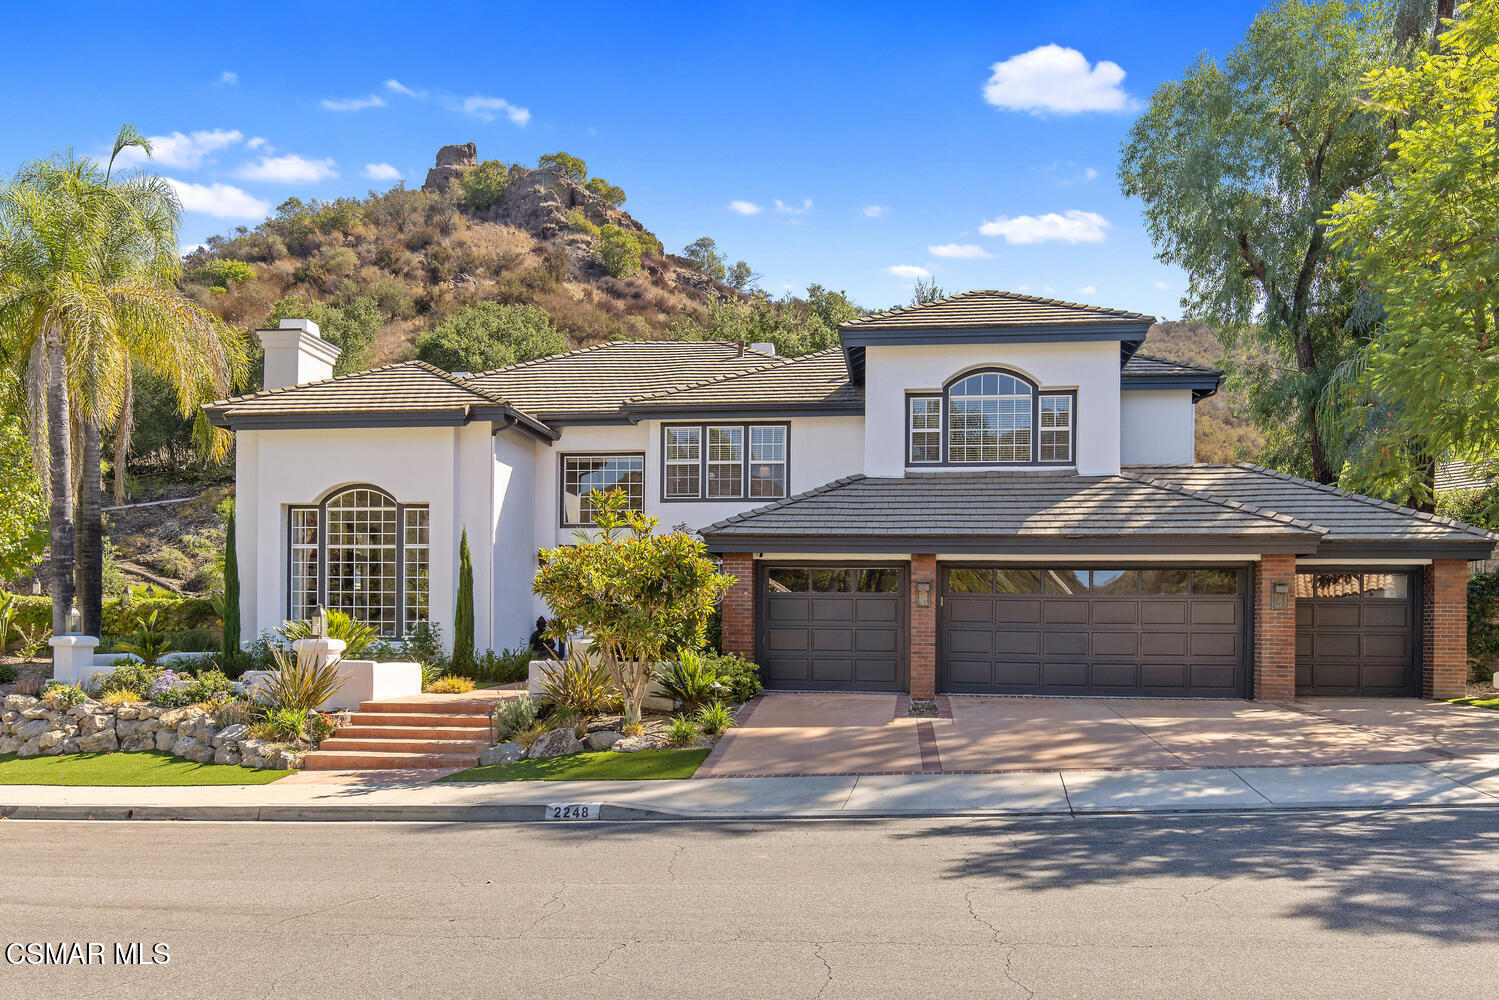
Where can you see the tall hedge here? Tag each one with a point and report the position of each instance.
(463, 615)
(231, 589)
(174, 614)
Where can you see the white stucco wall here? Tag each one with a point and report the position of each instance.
(519, 461)
(449, 469)
(1090, 368)
(1157, 426)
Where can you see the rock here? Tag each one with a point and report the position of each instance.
(165, 738)
(51, 738)
(90, 725)
(151, 711)
(230, 734)
(182, 745)
(206, 732)
(200, 753)
(555, 744)
(101, 741)
(32, 729)
(137, 742)
(18, 702)
(30, 748)
(88, 706)
(175, 718)
(285, 760)
(501, 753)
(8, 717)
(604, 739)
(36, 712)
(634, 744)
(452, 161)
(9, 744)
(130, 712)
(653, 704)
(227, 753)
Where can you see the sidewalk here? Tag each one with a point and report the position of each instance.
(1463, 782)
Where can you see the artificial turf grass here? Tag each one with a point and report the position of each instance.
(603, 765)
(1476, 702)
(143, 769)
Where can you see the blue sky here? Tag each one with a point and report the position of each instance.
(975, 142)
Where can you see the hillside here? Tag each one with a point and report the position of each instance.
(1223, 433)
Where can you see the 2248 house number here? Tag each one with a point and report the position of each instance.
(573, 810)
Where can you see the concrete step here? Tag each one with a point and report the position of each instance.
(416, 732)
(384, 760)
(447, 705)
(420, 745)
(417, 719)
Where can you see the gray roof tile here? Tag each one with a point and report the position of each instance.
(820, 377)
(1146, 366)
(987, 308)
(404, 387)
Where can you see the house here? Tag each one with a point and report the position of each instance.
(990, 493)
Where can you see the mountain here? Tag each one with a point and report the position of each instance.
(1224, 434)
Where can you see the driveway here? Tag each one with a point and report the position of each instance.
(802, 734)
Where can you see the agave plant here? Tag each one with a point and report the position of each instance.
(690, 680)
(581, 685)
(302, 680)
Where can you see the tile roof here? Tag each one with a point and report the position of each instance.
(812, 379)
(596, 380)
(1146, 366)
(990, 308)
(406, 387)
(1011, 506)
(1346, 517)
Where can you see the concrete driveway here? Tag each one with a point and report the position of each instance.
(805, 734)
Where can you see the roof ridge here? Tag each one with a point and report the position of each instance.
(775, 362)
(461, 384)
(1017, 296)
(816, 490)
(600, 347)
(536, 361)
(1371, 501)
(1254, 509)
(263, 393)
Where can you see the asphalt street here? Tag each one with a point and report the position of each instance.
(1383, 904)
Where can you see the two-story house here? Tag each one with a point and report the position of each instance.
(990, 493)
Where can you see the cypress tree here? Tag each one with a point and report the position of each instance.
(463, 617)
(231, 589)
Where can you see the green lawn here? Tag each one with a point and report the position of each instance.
(1476, 702)
(605, 765)
(150, 767)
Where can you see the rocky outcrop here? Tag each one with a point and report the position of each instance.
(452, 161)
(556, 743)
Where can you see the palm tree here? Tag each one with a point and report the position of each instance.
(88, 264)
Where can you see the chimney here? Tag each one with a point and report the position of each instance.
(295, 354)
(764, 347)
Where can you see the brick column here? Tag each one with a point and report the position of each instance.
(739, 605)
(1444, 628)
(923, 654)
(1274, 629)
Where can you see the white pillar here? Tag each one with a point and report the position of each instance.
(72, 658)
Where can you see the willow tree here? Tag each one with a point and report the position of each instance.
(1238, 164)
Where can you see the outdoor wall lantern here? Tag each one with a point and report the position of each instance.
(75, 620)
(923, 593)
(1280, 595)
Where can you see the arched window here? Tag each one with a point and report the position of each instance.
(989, 419)
(362, 553)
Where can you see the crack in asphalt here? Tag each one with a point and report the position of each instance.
(817, 950)
(605, 960)
(1009, 965)
(556, 897)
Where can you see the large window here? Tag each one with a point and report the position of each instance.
(361, 553)
(582, 474)
(990, 418)
(725, 461)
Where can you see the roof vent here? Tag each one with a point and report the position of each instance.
(764, 347)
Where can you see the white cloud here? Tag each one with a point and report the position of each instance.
(1023, 289)
(184, 152)
(745, 207)
(396, 86)
(485, 109)
(221, 200)
(382, 172)
(228, 79)
(784, 209)
(1051, 78)
(1089, 174)
(1162, 285)
(353, 103)
(193, 248)
(957, 250)
(875, 211)
(1072, 226)
(288, 169)
(909, 271)
(257, 142)
(1087, 290)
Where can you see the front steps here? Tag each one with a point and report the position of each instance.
(425, 731)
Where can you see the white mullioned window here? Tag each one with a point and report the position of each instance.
(684, 452)
(767, 462)
(582, 474)
(926, 429)
(1055, 433)
(302, 571)
(725, 462)
(417, 563)
(989, 419)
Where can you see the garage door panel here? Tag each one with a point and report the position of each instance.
(876, 640)
(832, 640)
(832, 610)
(1390, 676)
(832, 670)
(1335, 644)
(876, 671)
(850, 641)
(1355, 633)
(789, 640)
(786, 670)
(1387, 614)
(879, 611)
(1387, 647)
(787, 608)
(1339, 615)
(1174, 644)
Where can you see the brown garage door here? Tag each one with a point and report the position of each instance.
(1155, 631)
(1355, 633)
(833, 628)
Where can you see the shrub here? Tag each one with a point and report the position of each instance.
(122, 615)
(739, 679)
(715, 719)
(690, 680)
(578, 222)
(513, 716)
(356, 636)
(581, 685)
(423, 644)
(483, 185)
(121, 697)
(620, 251)
(505, 667)
(532, 733)
(236, 712)
(393, 298)
(148, 641)
(611, 193)
(302, 680)
(682, 732)
(32, 641)
(463, 614)
(280, 725)
(571, 167)
(340, 262)
(170, 561)
(223, 273)
(1483, 625)
(61, 697)
(650, 246)
(7, 673)
(450, 684)
(7, 617)
(490, 335)
(139, 678)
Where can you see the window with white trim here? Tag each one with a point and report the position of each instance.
(303, 565)
(417, 565)
(1056, 428)
(989, 419)
(682, 447)
(767, 462)
(725, 461)
(926, 429)
(582, 474)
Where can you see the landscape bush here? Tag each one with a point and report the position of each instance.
(174, 614)
(490, 335)
(137, 678)
(581, 685)
(715, 719)
(513, 716)
(579, 223)
(356, 635)
(483, 185)
(690, 680)
(223, 273)
(620, 251)
(682, 732)
(450, 684)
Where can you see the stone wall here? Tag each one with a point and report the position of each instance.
(28, 727)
